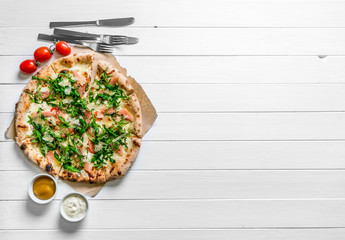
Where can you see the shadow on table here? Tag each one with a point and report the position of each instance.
(35, 208)
(23, 76)
(40, 209)
(69, 227)
(25, 161)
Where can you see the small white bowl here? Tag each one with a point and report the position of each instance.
(31, 192)
(63, 213)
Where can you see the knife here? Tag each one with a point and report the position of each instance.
(115, 22)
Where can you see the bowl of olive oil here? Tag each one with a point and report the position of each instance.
(42, 188)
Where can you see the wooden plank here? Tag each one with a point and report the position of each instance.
(238, 126)
(242, 155)
(220, 184)
(220, 13)
(172, 234)
(200, 41)
(213, 69)
(227, 97)
(249, 126)
(179, 214)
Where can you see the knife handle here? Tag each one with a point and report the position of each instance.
(53, 38)
(66, 24)
(59, 31)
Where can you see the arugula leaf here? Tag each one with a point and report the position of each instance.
(57, 156)
(64, 123)
(80, 129)
(35, 98)
(71, 168)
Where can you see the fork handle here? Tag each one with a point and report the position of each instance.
(65, 24)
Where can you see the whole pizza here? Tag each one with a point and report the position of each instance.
(80, 120)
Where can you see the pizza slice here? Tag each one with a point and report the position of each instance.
(30, 101)
(111, 149)
(114, 117)
(127, 118)
(73, 157)
(112, 96)
(33, 122)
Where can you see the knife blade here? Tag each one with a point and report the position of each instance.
(114, 22)
(106, 38)
(58, 31)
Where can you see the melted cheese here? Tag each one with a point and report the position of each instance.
(65, 82)
(48, 138)
(94, 107)
(81, 67)
(98, 147)
(67, 100)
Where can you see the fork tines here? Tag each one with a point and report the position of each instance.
(105, 48)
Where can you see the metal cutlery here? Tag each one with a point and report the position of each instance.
(96, 46)
(118, 41)
(108, 39)
(115, 22)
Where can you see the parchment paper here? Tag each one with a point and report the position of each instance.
(148, 112)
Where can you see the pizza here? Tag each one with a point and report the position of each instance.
(80, 119)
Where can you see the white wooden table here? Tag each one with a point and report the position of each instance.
(250, 138)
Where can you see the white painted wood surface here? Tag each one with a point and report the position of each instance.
(250, 138)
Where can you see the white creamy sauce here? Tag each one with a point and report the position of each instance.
(74, 206)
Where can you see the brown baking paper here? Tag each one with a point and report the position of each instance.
(148, 112)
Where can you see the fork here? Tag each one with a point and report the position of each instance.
(108, 39)
(96, 46)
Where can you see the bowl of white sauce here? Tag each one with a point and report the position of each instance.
(74, 207)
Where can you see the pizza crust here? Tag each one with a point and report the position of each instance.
(64, 64)
(97, 176)
(72, 176)
(134, 106)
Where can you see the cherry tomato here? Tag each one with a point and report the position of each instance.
(43, 54)
(28, 66)
(63, 48)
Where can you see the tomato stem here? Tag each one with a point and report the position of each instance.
(52, 49)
